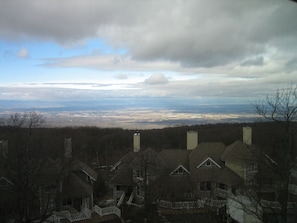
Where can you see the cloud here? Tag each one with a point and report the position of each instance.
(23, 53)
(291, 65)
(156, 79)
(121, 76)
(258, 61)
(192, 33)
(208, 48)
(107, 62)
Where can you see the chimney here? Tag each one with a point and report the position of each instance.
(136, 142)
(192, 140)
(3, 148)
(68, 148)
(247, 135)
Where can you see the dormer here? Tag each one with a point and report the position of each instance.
(208, 162)
(180, 171)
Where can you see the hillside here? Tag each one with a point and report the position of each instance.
(108, 144)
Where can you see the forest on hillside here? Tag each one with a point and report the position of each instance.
(107, 145)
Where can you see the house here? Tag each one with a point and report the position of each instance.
(207, 175)
(65, 189)
(175, 175)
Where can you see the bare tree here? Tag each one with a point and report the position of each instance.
(23, 164)
(280, 108)
(148, 166)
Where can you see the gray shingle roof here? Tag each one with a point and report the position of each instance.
(174, 157)
(239, 152)
(205, 150)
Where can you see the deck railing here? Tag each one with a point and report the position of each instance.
(121, 199)
(83, 215)
(106, 210)
(192, 204)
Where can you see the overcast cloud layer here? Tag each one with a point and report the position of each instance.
(190, 48)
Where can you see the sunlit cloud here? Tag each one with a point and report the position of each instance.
(156, 79)
(23, 53)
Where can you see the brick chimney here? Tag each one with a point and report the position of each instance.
(247, 135)
(136, 142)
(192, 140)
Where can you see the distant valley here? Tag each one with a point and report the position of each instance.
(134, 113)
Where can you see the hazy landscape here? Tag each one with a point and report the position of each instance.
(133, 113)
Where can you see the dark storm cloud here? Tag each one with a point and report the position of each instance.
(191, 33)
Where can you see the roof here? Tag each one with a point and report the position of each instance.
(123, 177)
(123, 174)
(238, 151)
(74, 186)
(191, 160)
(228, 177)
(78, 165)
(125, 160)
(175, 157)
(203, 151)
(149, 157)
(135, 160)
(219, 175)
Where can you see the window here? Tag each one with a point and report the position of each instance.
(252, 167)
(67, 202)
(180, 170)
(233, 190)
(222, 186)
(205, 185)
(209, 162)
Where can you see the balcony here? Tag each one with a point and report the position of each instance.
(222, 193)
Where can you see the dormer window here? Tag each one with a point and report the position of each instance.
(209, 162)
(180, 170)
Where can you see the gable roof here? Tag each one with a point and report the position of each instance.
(238, 152)
(208, 159)
(175, 157)
(149, 158)
(124, 174)
(219, 175)
(228, 177)
(205, 150)
(125, 160)
(135, 160)
(78, 165)
(123, 177)
(175, 172)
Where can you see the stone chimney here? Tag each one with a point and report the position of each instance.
(68, 148)
(136, 142)
(247, 135)
(192, 140)
(3, 148)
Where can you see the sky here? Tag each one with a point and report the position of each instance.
(90, 49)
